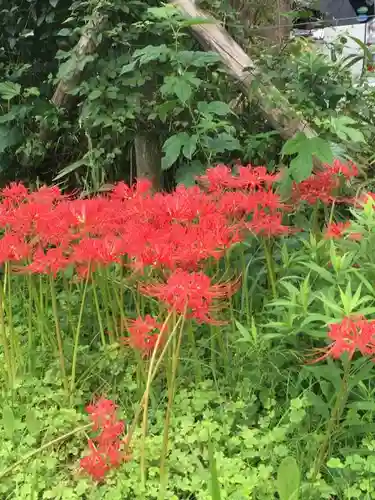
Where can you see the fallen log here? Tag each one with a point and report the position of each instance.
(274, 106)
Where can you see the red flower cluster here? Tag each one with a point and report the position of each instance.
(338, 230)
(350, 335)
(47, 232)
(323, 186)
(143, 334)
(106, 449)
(190, 293)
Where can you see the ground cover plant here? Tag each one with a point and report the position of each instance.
(213, 342)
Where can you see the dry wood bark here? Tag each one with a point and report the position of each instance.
(274, 106)
(148, 156)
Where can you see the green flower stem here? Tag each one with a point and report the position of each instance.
(270, 266)
(60, 348)
(334, 420)
(77, 335)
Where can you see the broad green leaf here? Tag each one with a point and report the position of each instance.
(32, 423)
(186, 174)
(172, 149)
(222, 142)
(64, 32)
(152, 53)
(94, 94)
(127, 68)
(9, 90)
(8, 421)
(183, 90)
(53, 3)
(301, 166)
(9, 137)
(288, 479)
(294, 144)
(190, 146)
(218, 108)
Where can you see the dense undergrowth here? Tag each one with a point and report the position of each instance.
(213, 342)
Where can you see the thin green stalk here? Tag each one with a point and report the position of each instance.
(60, 348)
(171, 393)
(103, 290)
(193, 344)
(4, 342)
(31, 454)
(14, 337)
(150, 377)
(334, 420)
(30, 335)
(112, 304)
(98, 313)
(77, 335)
(245, 288)
(270, 267)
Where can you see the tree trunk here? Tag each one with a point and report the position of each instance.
(148, 156)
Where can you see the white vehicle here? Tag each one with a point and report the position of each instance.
(349, 20)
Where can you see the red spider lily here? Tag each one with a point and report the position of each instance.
(52, 261)
(13, 248)
(95, 464)
(252, 178)
(143, 334)
(14, 194)
(318, 187)
(192, 293)
(348, 170)
(350, 335)
(323, 185)
(266, 224)
(102, 412)
(105, 450)
(336, 230)
(217, 178)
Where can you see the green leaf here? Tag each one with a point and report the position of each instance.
(127, 68)
(172, 149)
(222, 142)
(152, 53)
(294, 144)
(219, 108)
(305, 148)
(94, 94)
(32, 423)
(183, 90)
(53, 3)
(190, 146)
(301, 166)
(215, 485)
(9, 90)
(8, 421)
(186, 174)
(70, 168)
(64, 32)
(288, 479)
(9, 137)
